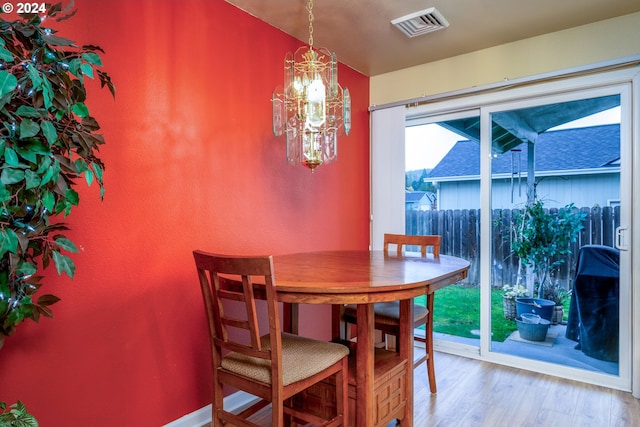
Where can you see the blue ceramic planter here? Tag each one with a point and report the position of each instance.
(542, 307)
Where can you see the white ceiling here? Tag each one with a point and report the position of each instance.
(362, 36)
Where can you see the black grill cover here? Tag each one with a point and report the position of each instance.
(593, 314)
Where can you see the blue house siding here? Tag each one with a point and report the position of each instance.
(574, 165)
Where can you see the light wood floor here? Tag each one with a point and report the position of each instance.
(478, 394)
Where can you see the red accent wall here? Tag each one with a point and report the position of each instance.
(191, 163)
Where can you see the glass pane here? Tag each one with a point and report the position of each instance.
(555, 188)
(436, 205)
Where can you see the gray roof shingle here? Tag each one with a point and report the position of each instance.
(569, 149)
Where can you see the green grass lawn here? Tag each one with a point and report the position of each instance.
(457, 312)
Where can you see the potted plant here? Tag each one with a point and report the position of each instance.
(558, 295)
(541, 241)
(48, 141)
(509, 295)
(16, 415)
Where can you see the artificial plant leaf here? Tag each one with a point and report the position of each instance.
(87, 70)
(49, 131)
(8, 83)
(32, 179)
(98, 171)
(11, 176)
(10, 157)
(81, 165)
(27, 111)
(88, 176)
(28, 128)
(5, 55)
(44, 310)
(72, 196)
(63, 264)
(35, 77)
(29, 152)
(26, 269)
(66, 244)
(80, 109)
(8, 241)
(5, 194)
(92, 58)
(48, 201)
(106, 80)
(56, 41)
(47, 299)
(47, 94)
(74, 66)
(44, 164)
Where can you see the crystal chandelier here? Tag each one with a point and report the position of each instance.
(312, 108)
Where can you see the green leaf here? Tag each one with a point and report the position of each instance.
(8, 83)
(32, 179)
(27, 111)
(28, 152)
(66, 244)
(44, 164)
(80, 110)
(63, 264)
(49, 131)
(74, 66)
(8, 241)
(51, 173)
(47, 94)
(81, 165)
(28, 128)
(92, 58)
(98, 171)
(26, 269)
(11, 176)
(35, 77)
(88, 176)
(10, 157)
(72, 196)
(5, 194)
(87, 70)
(5, 55)
(48, 201)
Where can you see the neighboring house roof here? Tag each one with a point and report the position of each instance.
(561, 150)
(417, 196)
(413, 196)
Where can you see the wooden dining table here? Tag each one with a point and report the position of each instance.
(383, 383)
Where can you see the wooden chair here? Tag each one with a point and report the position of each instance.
(273, 366)
(387, 314)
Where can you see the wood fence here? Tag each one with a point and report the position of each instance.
(460, 231)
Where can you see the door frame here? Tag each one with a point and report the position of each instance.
(541, 89)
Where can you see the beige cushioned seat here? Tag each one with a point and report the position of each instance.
(302, 356)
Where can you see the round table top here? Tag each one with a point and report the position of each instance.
(362, 276)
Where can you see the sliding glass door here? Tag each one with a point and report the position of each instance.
(557, 167)
(506, 171)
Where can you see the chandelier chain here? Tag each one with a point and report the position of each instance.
(310, 9)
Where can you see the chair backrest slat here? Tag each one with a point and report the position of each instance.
(424, 241)
(228, 278)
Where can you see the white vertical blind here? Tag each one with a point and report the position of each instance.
(387, 173)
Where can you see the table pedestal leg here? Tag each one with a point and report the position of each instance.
(365, 366)
(406, 352)
(290, 318)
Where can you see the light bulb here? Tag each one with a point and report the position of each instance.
(316, 103)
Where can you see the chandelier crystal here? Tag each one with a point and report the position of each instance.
(312, 108)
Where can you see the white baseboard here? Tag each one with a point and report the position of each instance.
(202, 416)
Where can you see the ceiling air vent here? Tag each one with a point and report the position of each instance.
(422, 22)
